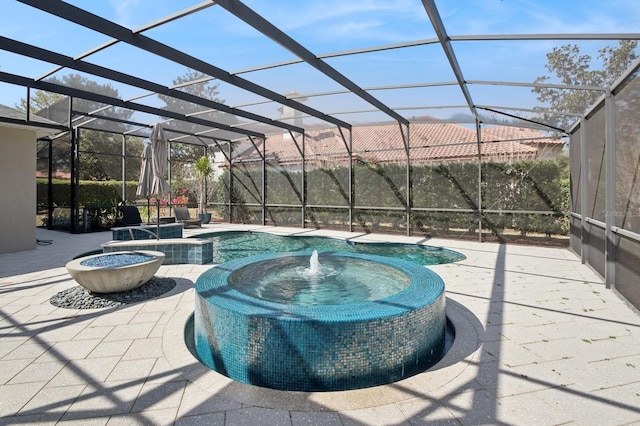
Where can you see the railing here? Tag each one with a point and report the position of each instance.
(144, 230)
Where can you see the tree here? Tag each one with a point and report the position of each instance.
(571, 67)
(184, 155)
(40, 101)
(203, 170)
(100, 157)
(197, 84)
(194, 83)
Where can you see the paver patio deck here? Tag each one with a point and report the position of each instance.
(546, 343)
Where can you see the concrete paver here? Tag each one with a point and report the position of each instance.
(546, 343)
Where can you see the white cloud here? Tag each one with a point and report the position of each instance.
(354, 27)
(127, 12)
(377, 20)
(314, 12)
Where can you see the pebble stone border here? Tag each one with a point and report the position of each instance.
(79, 297)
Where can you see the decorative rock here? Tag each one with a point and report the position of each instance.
(80, 298)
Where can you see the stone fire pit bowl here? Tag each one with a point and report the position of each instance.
(117, 271)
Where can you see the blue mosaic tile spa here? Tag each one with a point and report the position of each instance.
(274, 333)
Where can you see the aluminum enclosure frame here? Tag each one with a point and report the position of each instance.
(138, 39)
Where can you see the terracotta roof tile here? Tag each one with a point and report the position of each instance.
(523, 135)
(383, 143)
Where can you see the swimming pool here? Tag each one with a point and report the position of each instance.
(232, 245)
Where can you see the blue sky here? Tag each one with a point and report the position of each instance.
(326, 26)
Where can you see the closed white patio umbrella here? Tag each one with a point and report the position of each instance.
(159, 185)
(146, 174)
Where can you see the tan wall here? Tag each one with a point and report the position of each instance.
(17, 189)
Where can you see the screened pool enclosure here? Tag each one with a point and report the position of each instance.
(392, 117)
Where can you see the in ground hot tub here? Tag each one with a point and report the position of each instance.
(348, 321)
(114, 272)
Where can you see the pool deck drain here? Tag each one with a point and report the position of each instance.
(555, 347)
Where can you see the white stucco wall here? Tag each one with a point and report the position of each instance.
(17, 189)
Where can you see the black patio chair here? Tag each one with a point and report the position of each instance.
(130, 216)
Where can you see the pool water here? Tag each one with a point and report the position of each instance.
(289, 280)
(231, 245)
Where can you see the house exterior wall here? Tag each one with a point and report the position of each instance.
(17, 189)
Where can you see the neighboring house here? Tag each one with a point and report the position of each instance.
(383, 143)
(547, 148)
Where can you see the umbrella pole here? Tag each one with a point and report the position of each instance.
(158, 222)
(148, 210)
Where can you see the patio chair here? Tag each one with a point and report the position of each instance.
(183, 216)
(130, 216)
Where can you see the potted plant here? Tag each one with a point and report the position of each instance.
(203, 170)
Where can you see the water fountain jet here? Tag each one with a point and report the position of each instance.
(314, 263)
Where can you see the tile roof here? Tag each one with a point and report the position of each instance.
(522, 135)
(383, 143)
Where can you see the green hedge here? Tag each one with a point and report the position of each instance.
(91, 193)
(518, 186)
(99, 200)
